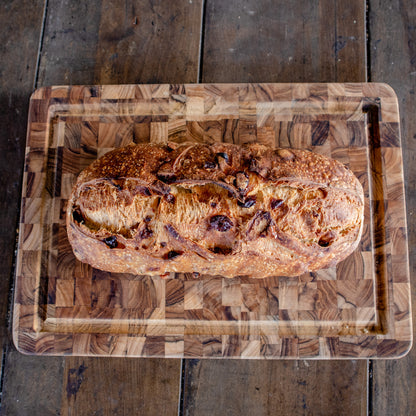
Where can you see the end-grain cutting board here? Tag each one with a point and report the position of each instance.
(361, 308)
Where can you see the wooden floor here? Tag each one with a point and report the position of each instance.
(53, 42)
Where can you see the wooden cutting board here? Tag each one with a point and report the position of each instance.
(359, 309)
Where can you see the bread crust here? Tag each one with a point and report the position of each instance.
(218, 209)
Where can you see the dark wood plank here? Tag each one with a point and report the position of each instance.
(69, 43)
(280, 41)
(120, 386)
(263, 41)
(84, 43)
(149, 42)
(134, 42)
(392, 49)
(21, 23)
(121, 42)
(273, 387)
(32, 385)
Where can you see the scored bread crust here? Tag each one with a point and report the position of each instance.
(218, 209)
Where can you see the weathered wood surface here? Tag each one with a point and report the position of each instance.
(120, 42)
(31, 386)
(75, 49)
(280, 41)
(281, 51)
(120, 387)
(274, 387)
(392, 50)
(391, 31)
(21, 22)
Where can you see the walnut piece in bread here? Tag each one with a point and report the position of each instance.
(218, 209)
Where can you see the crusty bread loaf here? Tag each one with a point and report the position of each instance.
(217, 209)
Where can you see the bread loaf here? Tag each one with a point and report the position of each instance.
(217, 209)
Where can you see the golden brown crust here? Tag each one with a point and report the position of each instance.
(214, 209)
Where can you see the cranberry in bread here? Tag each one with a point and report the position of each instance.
(217, 209)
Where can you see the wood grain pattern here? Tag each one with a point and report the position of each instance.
(258, 388)
(21, 22)
(135, 396)
(74, 48)
(363, 303)
(284, 60)
(120, 42)
(391, 32)
(393, 60)
(32, 385)
(302, 41)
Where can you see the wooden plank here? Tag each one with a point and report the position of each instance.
(120, 42)
(32, 385)
(120, 387)
(392, 50)
(102, 42)
(69, 43)
(274, 387)
(149, 42)
(137, 42)
(280, 41)
(21, 22)
(285, 42)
